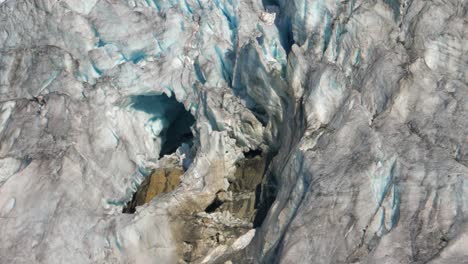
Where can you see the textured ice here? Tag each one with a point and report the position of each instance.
(359, 106)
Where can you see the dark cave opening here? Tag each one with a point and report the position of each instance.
(283, 23)
(176, 130)
(177, 133)
(252, 153)
(177, 121)
(214, 206)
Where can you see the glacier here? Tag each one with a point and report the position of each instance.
(306, 131)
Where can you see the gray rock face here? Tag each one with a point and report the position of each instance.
(358, 108)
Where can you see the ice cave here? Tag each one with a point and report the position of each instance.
(169, 120)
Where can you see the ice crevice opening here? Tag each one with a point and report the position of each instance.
(171, 124)
(170, 121)
(282, 22)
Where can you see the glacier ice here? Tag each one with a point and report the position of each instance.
(358, 108)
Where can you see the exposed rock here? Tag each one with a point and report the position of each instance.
(206, 235)
(161, 180)
(244, 189)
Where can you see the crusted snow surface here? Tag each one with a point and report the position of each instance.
(360, 107)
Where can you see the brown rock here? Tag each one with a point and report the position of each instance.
(162, 180)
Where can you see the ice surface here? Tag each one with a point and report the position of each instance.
(359, 107)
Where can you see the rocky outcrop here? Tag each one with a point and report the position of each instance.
(161, 180)
(241, 198)
(226, 222)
